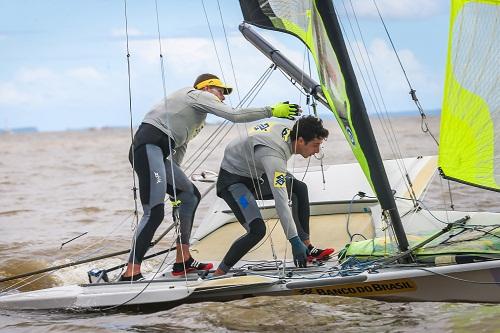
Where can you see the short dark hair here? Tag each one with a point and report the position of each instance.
(308, 128)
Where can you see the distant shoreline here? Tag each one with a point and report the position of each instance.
(324, 115)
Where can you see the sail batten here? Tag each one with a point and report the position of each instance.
(469, 149)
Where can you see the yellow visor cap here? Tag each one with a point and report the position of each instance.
(215, 83)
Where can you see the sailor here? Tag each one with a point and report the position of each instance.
(157, 152)
(255, 168)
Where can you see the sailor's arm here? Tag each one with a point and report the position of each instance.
(275, 168)
(207, 102)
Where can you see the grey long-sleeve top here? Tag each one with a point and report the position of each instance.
(266, 150)
(182, 116)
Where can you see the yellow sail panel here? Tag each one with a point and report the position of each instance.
(469, 149)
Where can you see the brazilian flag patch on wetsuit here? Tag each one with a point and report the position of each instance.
(279, 179)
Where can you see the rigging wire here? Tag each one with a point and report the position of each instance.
(214, 44)
(247, 99)
(175, 202)
(392, 137)
(134, 188)
(206, 143)
(218, 131)
(385, 214)
(425, 127)
(229, 51)
(375, 95)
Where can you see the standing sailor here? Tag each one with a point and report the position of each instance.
(167, 129)
(255, 168)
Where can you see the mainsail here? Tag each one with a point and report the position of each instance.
(315, 23)
(302, 19)
(469, 150)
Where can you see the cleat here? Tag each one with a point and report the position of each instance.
(190, 266)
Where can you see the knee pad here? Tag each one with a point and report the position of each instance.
(257, 229)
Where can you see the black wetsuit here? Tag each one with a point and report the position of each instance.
(154, 171)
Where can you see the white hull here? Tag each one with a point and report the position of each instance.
(473, 282)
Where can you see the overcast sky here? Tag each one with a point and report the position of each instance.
(63, 63)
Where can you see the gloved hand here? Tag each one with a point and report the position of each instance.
(299, 251)
(285, 110)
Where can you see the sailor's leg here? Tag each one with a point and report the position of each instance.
(189, 197)
(243, 204)
(300, 207)
(300, 202)
(150, 170)
(183, 190)
(301, 214)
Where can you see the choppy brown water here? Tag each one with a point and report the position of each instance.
(56, 186)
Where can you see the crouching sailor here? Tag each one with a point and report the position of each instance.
(255, 168)
(157, 151)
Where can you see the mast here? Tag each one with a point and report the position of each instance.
(359, 115)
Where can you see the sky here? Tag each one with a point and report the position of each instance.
(64, 63)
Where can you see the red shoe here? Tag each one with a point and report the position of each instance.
(319, 254)
(190, 266)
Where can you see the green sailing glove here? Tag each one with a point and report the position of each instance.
(285, 110)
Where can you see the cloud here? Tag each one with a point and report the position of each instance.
(187, 57)
(178, 51)
(132, 32)
(35, 75)
(27, 87)
(11, 95)
(391, 79)
(43, 87)
(85, 74)
(399, 9)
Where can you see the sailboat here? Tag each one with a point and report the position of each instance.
(410, 253)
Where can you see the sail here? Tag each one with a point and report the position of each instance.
(315, 23)
(469, 150)
(302, 19)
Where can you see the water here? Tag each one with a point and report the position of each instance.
(57, 186)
